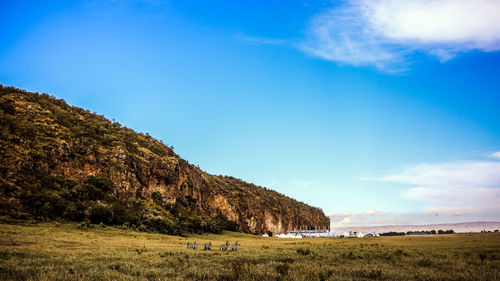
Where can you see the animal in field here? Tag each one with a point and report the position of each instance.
(223, 247)
(208, 246)
(234, 247)
(189, 245)
(195, 246)
(237, 243)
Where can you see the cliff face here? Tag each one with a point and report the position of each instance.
(41, 133)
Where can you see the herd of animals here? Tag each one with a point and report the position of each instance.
(208, 246)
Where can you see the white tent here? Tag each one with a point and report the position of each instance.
(265, 235)
(360, 235)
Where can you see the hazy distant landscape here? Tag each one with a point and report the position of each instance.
(463, 227)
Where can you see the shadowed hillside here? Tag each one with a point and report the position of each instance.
(64, 162)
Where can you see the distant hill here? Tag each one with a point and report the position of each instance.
(63, 162)
(457, 227)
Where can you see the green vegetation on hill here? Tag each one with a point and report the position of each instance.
(63, 162)
(31, 152)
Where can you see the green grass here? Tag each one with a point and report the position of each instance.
(51, 251)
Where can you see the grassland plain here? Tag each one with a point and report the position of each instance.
(61, 251)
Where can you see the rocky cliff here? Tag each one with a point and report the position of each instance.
(53, 155)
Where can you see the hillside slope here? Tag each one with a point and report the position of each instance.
(60, 161)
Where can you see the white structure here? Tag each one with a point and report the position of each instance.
(289, 235)
(355, 234)
(311, 233)
(265, 235)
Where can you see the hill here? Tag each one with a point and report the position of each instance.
(63, 162)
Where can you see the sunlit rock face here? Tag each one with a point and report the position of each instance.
(207, 194)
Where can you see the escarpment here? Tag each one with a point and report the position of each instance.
(60, 161)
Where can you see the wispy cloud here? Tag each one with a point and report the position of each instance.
(369, 217)
(302, 183)
(371, 212)
(255, 40)
(382, 33)
(339, 214)
(454, 188)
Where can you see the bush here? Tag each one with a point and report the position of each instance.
(424, 262)
(160, 224)
(304, 252)
(282, 269)
(157, 198)
(20, 215)
(99, 212)
(239, 269)
(96, 188)
(74, 212)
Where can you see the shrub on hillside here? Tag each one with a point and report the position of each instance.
(99, 212)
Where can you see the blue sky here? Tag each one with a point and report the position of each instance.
(376, 117)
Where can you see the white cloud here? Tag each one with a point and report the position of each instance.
(452, 188)
(344, 222)
(302, 183)
(449, 192)
(459, 174)
(339, 214)
(456, 200)
(369, 217)
(383, 32)
(496, 155)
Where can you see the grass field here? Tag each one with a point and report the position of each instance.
(51, 251)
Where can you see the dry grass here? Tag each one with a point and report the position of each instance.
(52, 251)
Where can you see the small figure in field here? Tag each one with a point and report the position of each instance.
(195, 246)
(227, 244)
(208, 246)
(234, 247)
(223, 247)
(189, 246)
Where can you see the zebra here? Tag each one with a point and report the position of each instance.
(223, 247)
(189, 246)
(208, 246)
(234, 247)
(195, 246)
(237, 243)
